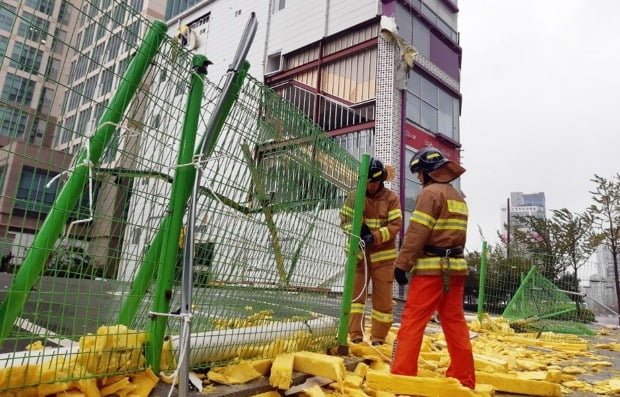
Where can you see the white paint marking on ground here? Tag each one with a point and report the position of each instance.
(48, 335)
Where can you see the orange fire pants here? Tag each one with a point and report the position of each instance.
(424, 298)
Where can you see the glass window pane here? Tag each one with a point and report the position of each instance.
(412, 190)
(414, 83)
(421, 38)
(413, 108)
(429, 117)
(445, 122)
(429, 92)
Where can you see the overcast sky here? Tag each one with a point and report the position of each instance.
(540, 81)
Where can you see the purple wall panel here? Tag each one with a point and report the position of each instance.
(444, 57)
(388, 8)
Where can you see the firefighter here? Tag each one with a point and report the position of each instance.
(432, 253)
(381, 223)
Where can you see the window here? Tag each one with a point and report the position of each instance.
(33, 28)
(12, 122)
(431, 107)
(82, 125)
(107, 78)
(64, 12)
(89, 33)
(58, 42)
(137, 5)
(4, 43)
(18, 89)
(278, 5)
(7, 17)
(135, 236)
(412, 186)
(26, 58)
(45, 100)
(32, 193)
(45, 6)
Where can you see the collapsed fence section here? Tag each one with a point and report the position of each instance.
(539, 295)
(268, 249)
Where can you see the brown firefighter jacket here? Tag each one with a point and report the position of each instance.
(439, 220)
(383, 216)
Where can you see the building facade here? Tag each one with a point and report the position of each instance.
(380, 76)
(33, 35)
(522, 205)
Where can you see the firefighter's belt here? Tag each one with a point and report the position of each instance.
(444, 252)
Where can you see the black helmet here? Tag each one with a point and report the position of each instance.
(376, 171)
(427, 160)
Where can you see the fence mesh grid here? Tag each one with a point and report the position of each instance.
(537, 294)
(269, 258)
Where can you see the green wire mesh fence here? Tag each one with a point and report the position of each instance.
(537, 294)
(269, 258)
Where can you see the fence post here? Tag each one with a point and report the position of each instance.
(482, 281)
(181, 185)
(354, 239)
(46, 237)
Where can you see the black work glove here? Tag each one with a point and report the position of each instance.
(368, 240)
(366, 235)
(365, 230)
(400, 276)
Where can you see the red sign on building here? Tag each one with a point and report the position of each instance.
(418, 139)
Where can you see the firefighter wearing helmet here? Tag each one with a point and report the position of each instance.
(381, 224)
(432, 253)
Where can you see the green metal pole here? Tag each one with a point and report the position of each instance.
(349, 276)
(181, 187)
(46, 237)
(483, 280)
(148, 267)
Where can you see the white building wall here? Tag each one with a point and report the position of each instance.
(303, 22)
(218, 39)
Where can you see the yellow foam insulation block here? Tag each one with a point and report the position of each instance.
(262, 366)
(487, 363)
(567, 347)
(314, 391)
(416, 385)
(352, 380)
(361, 369)
(573, 370)
(354, 392)
(530, 365)
(236, 374)
(331, 367)
(35, 346)
(379, 366)
(282, 371)
(512, 384)
(595, 364)
(614, 385)
(116, 387)
(484, 390)
(383, 352)
(144, 382)
(609, 346)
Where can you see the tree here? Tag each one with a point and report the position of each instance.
(606, 215)
(575, 238)
(538, 237)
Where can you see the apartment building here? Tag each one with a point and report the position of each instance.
(380, 76)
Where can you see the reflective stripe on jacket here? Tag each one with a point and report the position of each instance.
(439, 220)
(383, 216)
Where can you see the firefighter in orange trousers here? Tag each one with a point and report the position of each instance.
(432, 252)
(382, 222)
